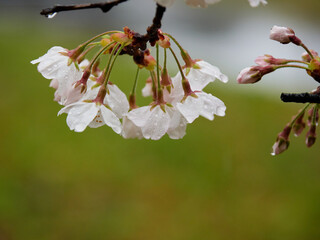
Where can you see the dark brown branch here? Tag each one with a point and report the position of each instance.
(300, 97)
(105, 7)
(139, 44)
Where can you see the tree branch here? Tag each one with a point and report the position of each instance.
(105, 7)
(300, 97)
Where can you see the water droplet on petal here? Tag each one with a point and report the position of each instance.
(51, 15)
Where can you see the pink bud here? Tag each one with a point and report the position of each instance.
(311, 136)
(283, 35)
(254, 74)
(306, 57)
(314, 69)
(282, 142)
(269, 60)
(299, 126)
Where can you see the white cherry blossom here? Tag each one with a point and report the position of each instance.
(203, 104)
(200, 77)
(205, 3)
(83, 114)
(130, 130)
(153, 121)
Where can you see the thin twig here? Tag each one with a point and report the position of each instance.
(300, 97)
(105, 7)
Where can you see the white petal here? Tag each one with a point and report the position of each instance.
(80, 116)
(117, 101)
(147, 90)
(178, 125)
(98, 121)
(129, 130)
(139, 116)
(200, 78)
(190, 108)
(157, 124)
(255, 3)
(111, 119)
(211, 105)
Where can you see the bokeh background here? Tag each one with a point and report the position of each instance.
(219, 182)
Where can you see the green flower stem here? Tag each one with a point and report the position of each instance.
(314, 115)
(99, 53)
(113, 61)
(165, 58)
(83, 45)
(296, 61)
(177, 61)
(299, 114)
(307, 50)
(135, 82)
(105, 71)
(175, 41)
(154, 89)
(290, 65)
(158, 70)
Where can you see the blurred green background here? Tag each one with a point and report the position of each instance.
(219, 182)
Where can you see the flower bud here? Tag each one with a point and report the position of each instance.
(299, 126)
(282, 141)
(284, 35)
(254, 74)
(314, 69)
(105, 41)
(120, 38)
(311, 136)
(149, 61)
(306, 57)
(269, 60)
(165, 42)
(310, 116)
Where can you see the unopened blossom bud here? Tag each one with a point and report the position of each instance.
(254, 74)
(314, 69)
(284, 35)
(299, 125)
(311, 115)
(269, 60)
(120, 38)
(165, 42)
(306, 57)
(149, 62)
(311, 136)
(105, 41)
(282, 141)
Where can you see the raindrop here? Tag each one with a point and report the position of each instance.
(51, 15)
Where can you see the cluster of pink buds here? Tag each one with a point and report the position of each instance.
(310, 62)
(87, 89)
(297, 125)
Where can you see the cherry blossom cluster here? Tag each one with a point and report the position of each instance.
(204, 3)
(87, 90)
(309, 62)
